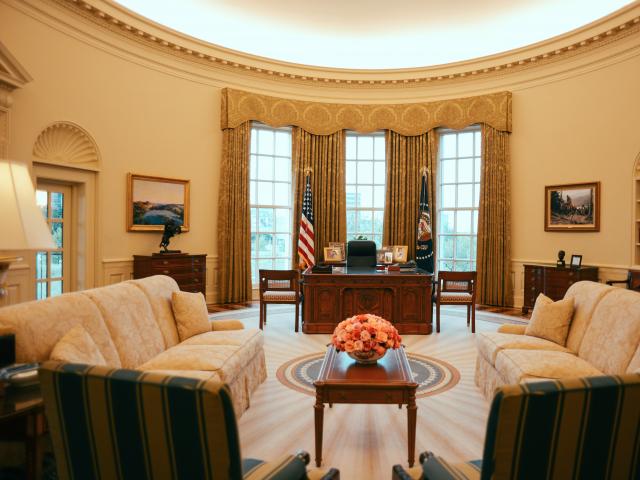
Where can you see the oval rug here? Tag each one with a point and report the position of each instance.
(432, 375)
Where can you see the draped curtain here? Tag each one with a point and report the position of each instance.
(324, 157)
(407, 156)
(494, 221)
(234, 229)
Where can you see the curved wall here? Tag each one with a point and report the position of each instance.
(151, 112)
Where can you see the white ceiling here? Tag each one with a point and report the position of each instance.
(379, 34)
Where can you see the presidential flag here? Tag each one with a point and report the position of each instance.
(306, 245)
(424, 245)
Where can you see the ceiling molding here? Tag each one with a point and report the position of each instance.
(142, 31)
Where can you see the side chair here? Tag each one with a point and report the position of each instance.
(457, 288)
(279, 286)
(575, 428)
(632, 281)
(114, 423)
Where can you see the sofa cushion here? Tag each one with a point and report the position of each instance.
(613, 335)
(516, 366)
(40, 324)
(490, 343)
(77, 346)
(197, 374)
(251, 339)
(130, 321)
(190, 310)
(586, 296)
(158, 290)
(550, 320)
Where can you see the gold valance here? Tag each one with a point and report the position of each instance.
(405, 118)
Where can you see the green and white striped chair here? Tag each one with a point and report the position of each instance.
(119, 424)
(580, 428)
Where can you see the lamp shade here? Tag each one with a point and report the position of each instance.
(21, 222)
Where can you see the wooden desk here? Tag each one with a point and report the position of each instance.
(342, 380)
(552, 281)
(403, 298)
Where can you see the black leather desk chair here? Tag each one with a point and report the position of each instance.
(361, 253)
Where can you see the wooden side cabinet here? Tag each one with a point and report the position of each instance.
(189, 271)
(552, 281)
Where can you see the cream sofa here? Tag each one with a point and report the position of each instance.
(603, 339)
(133, 326)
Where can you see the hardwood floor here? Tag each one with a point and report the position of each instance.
(364, 441)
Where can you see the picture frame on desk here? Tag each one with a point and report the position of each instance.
(576, 261)
(333, 255)
(400, 253)
(573, 207)
(153, 201)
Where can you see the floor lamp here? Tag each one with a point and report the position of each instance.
(22, 226)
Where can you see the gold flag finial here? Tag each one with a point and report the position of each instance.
(308, 171)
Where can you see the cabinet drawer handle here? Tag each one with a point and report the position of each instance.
(165, 262)
(196, 280)
(196, 261)
(196, 270)
(166, 272)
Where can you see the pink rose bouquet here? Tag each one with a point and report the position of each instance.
(366, 333)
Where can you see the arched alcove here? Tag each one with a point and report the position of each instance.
(67, 144)
(635, 208)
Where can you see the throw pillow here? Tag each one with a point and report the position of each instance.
(192, 316)
(550, 320)
(77, 346)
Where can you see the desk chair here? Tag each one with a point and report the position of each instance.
(113, 423)
(279, 286)
(361, 253)
(572, 428)
(457, 288)
(632, 282)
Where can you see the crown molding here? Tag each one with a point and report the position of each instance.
(12, 74)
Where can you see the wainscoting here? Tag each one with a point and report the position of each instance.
(20, 284)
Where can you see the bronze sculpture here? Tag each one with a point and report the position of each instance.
(171, 229)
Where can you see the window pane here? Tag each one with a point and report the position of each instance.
(42, 202)
(378, 197)
(474, 242)
(41, 290)
(365, 172)
(254, 216)
(283, 245)
(265, 264)
(448, 146)
(56, 264)
(478, 144)
(475, 222)
(462, 267)
(265, 220)
(252, 192)
(283, 144)
(265, 193)
(351, 222)
(477, 164)
(446, 222)
(265, 245)
(465, 144)
(378, 220)
(448, 171)
(56, 230)
(254, 272)
(265, 168)
(378, 240)
(463, 249)
(476, 195)
(379, 172)
(365, 147)
(379, 148)
(465, 196)
(446, 265)
(351, 147)
(365, 221)
(253, 245)
(254, 142)
(446, 246)
(57, 204)
(265, 142)
(463, 221)
(282, 169)
(41, 265)
(56, 288)
(448, 196)
(282, 220)
(351, 196)
(253, 166)
(281, 264)
(365, 197)
(351, 172)
(465, 170)
(281, 194)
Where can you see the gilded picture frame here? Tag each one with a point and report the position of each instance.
(152, 201)
(573, 207)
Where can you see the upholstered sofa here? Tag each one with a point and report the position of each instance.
(603, 339)
(133, 326)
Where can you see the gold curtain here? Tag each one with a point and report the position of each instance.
(494, 222)
(325, 156)
(406, 158)
(234, 229)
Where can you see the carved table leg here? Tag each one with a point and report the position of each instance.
(412, 410)
(319, 416)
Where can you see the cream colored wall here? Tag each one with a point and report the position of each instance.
(159, 115)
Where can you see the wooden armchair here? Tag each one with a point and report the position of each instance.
(114, 423)
(632, 282)
(279, 286)
(457, 288)
(572, 428)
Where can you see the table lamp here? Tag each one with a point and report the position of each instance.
(22, 226)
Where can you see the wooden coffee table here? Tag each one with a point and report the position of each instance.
(390, 381)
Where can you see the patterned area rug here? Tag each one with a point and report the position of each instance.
(433, 376)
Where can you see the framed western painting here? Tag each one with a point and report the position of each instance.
(154, 201)
(572, 208)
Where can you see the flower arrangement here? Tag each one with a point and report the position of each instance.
(366, 337)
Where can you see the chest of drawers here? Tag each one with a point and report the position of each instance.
(552, 281)
(189, 271)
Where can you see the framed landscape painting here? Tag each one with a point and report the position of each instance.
(154, 201)
(572, 208)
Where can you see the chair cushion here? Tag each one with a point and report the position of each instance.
(279, 296)
(550, 320)
(192, 316)
(491, 343)
(455, 297)
(516, 366)
(288, 467)
(77, 346)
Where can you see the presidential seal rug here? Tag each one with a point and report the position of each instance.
(432, 375)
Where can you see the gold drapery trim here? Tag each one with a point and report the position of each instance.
(326, 118)
(407, 157)
(234, 227)
(494, 222)
(324, 157)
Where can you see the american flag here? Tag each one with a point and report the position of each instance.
(306, 248)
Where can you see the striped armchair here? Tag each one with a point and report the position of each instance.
(574, 428)
(113, 423)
